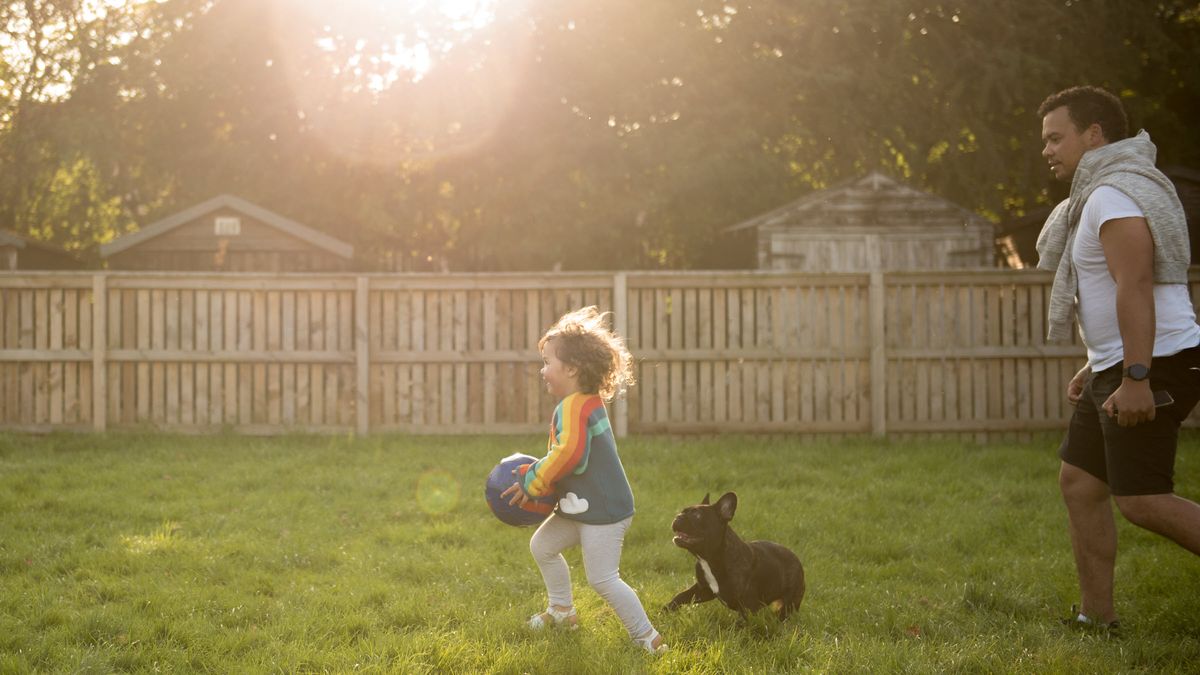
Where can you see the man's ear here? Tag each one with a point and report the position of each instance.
(1095, 135)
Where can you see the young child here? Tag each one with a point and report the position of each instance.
(585, 365)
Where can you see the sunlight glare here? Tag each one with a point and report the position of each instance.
(395, 81)
(469, 14)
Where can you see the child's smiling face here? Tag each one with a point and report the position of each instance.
(561, 380)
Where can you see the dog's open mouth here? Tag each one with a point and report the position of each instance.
(684, 539)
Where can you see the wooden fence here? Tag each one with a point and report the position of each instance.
(952, 352)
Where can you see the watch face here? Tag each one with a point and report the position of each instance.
(1137, 372)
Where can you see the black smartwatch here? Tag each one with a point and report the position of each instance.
(1137, 372)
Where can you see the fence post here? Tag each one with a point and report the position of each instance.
(621, 325)
(99, 352)
(878, 356)
(362, 358)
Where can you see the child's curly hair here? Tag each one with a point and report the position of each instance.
(583, 342)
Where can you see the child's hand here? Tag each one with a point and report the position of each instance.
(518, 495)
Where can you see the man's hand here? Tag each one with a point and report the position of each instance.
(1132, 403)
(1075, 386)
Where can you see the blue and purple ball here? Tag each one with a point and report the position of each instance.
(500, 479)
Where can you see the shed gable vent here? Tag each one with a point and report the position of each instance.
(227, 226)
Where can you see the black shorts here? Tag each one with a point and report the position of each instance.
(1137, 460)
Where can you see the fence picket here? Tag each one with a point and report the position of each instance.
(274, 374)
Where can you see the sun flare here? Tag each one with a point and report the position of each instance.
(384, 42)
(388, 82)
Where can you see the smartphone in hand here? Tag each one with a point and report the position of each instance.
(1162, 398)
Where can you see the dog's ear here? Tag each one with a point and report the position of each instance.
(726, 505)
(705, 500)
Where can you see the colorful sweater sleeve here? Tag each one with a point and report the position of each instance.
(568, 447)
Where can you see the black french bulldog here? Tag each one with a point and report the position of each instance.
(744, 576)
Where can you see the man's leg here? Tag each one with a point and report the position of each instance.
(1093, 539)
(1170, 515)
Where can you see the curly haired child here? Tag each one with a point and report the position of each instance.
(585, 364)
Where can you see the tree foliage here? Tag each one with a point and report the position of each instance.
(537, 134)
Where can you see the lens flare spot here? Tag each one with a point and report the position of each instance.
(437, 492)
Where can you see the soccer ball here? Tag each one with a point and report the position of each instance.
(500, 479)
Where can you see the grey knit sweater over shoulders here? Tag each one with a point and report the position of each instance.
(1127, 166)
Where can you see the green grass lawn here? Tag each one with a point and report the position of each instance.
(312, 554)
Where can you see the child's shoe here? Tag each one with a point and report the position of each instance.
(554, 617)
(647, 643)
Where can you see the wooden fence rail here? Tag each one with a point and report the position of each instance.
(960, 352)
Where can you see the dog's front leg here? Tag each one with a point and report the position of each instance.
(696, 593)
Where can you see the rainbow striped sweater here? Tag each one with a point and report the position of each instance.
(581, 465)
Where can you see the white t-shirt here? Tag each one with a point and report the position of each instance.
(1096, 302)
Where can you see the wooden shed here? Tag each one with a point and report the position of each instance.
(228, 234)
(21, 253)
(871, 223)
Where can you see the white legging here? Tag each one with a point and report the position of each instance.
(601, 545)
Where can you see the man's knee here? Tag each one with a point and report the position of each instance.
(1141, 510)
(1079, 485)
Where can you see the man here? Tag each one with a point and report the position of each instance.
(1119, 249)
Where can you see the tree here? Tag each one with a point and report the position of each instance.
(572, 133)
(61, 90)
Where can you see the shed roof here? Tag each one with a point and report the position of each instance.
(875, 186)
(286, 225)
(9, 238)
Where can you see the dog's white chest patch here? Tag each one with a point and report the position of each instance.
(708, 575)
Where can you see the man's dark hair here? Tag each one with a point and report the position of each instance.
(1089, 105)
